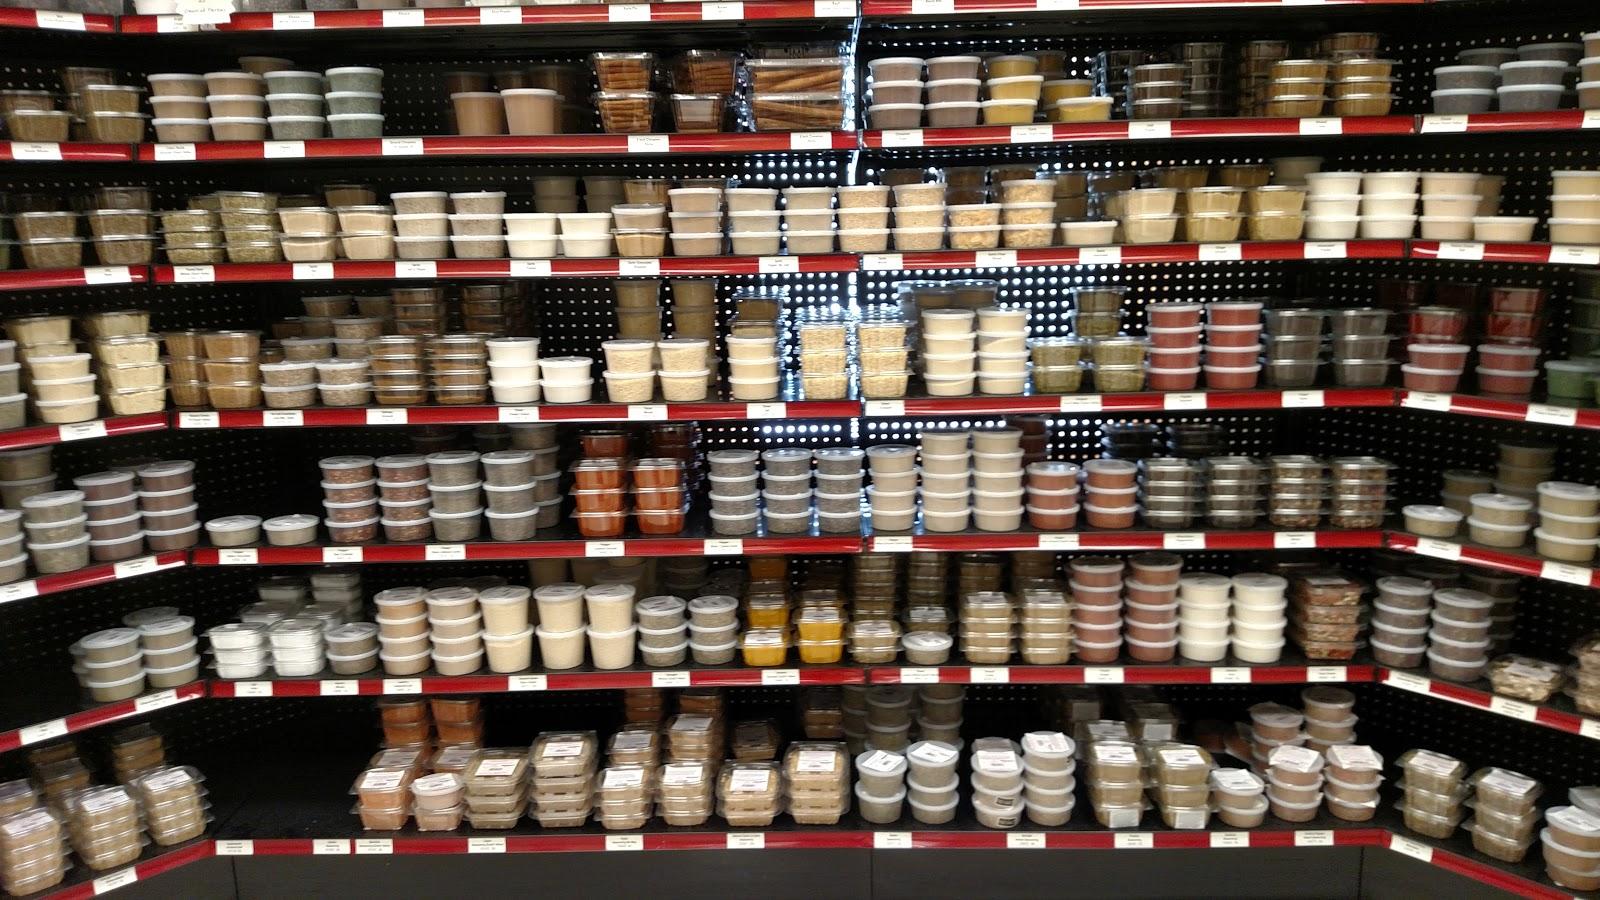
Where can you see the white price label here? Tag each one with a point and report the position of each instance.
(293, 21)
(519, 414)
(932, 7)
(1317, 674)
(1407, 847)
(780, 676)
(1230, 675)
(884, 407)
(500, 15)
(1566, 254)
(833, 9)
(1325, 250)
(527, 682)
(766, 410)
(1406, 681)
(1294, 540)
(1082, 403)
(1229, 839)
(387, 416)
(995, 259)
(282, 418)
(1426, 400)
(624, 842)
(778, 265)
(1133, 840)
(1468, 250)
(1564, 572)
(1064, 541)
(1516, 709)
(402, 685)
(1438, 549)
(891, 840)
(486, 845)
(116, 880)
(1025, 840)
(629, 12)
(173, 25)
(647, 143)
(330, 847)
(669, 679)
(891, 544)
(1183, 540)
(341, 554)
(235, 848)
(245, 556)
(811, 140)
(36, 151)
(1591, 118)
(158, 700)
(1032, 134)
(403, 18)
(204, 12)
(756, 841)
(1590, 728)
(1183, 400)
(603, 548)
(59, 21)
(724, 547)
(374, 846)
(1103, 675)
(902, 137)
(648, 268)
(1150, 130)
(1313, 839)
(107, 275)
(283, 149)
(317, 271)
(252, 689)
(1302, 399)
(43, 731)
(883, 262)
(1221, 252)
(143, 565)
(193, 274)
(81, 431)
(444, 552)
(989, 675)
(1545, 414)
(647, 412)
(416, 268)
(1109, 256)
(1054, 5)
(1321, 125)
(721, 12)
(919, 675)
(199, 420)
(18, 590)
(343, 687)
(1433, 124)
(400, 146)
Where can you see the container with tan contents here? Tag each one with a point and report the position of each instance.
(817, 776)
(749, 794)
(685, 793)
(563, 753)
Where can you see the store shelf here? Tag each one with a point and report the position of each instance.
(43, 151)
(1521, 561)
(89, 576)
(73, 723)
(51, 20)
(1143, 129)
(1194, 541)
(503, 550)
(1475, 697)
(157, 860)
(456, 146)
(623, 15)
(322, 417)
(1533, 253)
(1500, 122)
(586, 680)
(41, 279)
(1509, 410)
(1282, 672)
(982, 7)
(41, 435)
(1127, 254)
(1488, 873)
(1345, 398)
(604, 267)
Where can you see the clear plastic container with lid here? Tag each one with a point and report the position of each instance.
(1431, 771)
(561, 753)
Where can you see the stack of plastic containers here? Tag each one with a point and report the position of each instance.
(1400, 620)
(713, 628)
(1238, 795)
(1047, 777)
(437, 801)
(997, 478)
(1110, 493)
(1003, 339)
(948, 351)
(1569, 521)
(1182, 785)
(105, 827)
(663, 630)
(786, 490)
(892, 495)
(685, 792)
(1052, 495)
(169, 648)
(1046, 620)
(1435, 791)
(239, 650)
(611, 631)
(33, 852)
(1096, 583)
(562, 784)
(816, 777)
(625, 795)
(1259, 603)
(946, 490)
(838, 490)
(383, 797)
(497, 787)
(919, 216)
(1273, 725)
(735, 507)
(940, 712)
(996, 782)
(1504, 813)
(1326, 616)
(1458, 642)
(1204, 612)
(1570, 839)
(1351, 778)
(749, 794)
(1233, 344)
(932, 783)
(1294, 782)
(298, 648)
(1330, 717)
(1150, 613)
(1298, 493)
(1234, 488)
(173, 801)
(455, 629)
(880, 785)
(888, 718)
(1174, 331)
(1116, 782)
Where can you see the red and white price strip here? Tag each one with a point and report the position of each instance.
(723, 547)
(1566, 573)
(107, 275)
(1321, 125)
(909, 675)
(1294, 540)
(486, 845)
(753, 841)
(1133, 840)
(1230, 675)
(18, 590)
(1104, 675)
(721, 12)
(1319, 674)
(1224, 840)
(1026, 840)
(317, 271)
(199, 420)
(891, 840)
(43, 731)
(404, 18)
(1467, 250)
(374, 846)
(444, 552)
(1183, 540)
(766, 410)
(603, 548)
(1407, 847)
(1032, 134)
(239, 556)
(174, 153)
(778, 265)
(122, 879)
(1438, 549)
(194, 274)
(342, 687)
(519, 414)
(35, 151)
(989, 675)
(669, 679)
(1444, 124)
(527, 682)
(1325, 250)
(1221, 252)
(1150, 130)
(252, 689)
(1545, 414)
(624, 842)
(1184, 400)
(235, 848)
(1302, 399)
(1566, 254)
(388, 415)
(402, 685)
(1515, 709)
(780, 677)
(293, 21)
(1313, 839)
(341, 554)
(330, 847)
(500, 15)
(283, 149)
(902, 137)
(1426, 400)
(629, 12)
(648, 143)
(82, 431)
